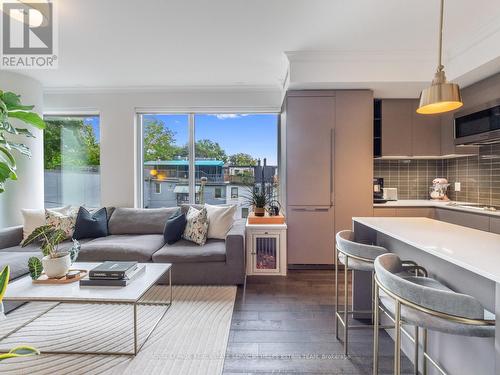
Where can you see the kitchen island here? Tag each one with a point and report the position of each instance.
(467, 260)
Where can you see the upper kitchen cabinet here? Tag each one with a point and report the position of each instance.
(426, 133)
(396, 127)
(309, 150)
(405, 133)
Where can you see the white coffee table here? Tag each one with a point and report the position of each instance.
(23, 290)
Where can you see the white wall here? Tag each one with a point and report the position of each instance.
(118, 108)
(27, 191)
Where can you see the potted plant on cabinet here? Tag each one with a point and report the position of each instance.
(258, 199)
(55, 263)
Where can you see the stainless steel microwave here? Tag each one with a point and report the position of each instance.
(478, 126)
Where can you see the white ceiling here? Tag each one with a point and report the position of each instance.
(358, 43)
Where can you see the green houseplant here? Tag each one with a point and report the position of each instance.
(55, 263)
(19, 351)
(11, 108)
(258, 199)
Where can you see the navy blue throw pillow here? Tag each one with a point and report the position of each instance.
(174, 228)
(91, 225)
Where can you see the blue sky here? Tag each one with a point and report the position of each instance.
(254, 134)
(94, 121)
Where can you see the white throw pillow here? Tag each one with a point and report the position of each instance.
(35, 217)
(196, 226)
(220, 220)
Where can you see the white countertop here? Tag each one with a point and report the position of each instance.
(473, 249)
(438, 204)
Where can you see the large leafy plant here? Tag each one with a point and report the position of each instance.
(49, 238)
(11, 108)
(19, 351)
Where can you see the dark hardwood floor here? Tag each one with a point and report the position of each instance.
(286, 325)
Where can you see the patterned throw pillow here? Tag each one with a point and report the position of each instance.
(66, 222)
(196, 226)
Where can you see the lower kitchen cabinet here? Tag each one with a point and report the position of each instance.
(384, 212)
(404, 212)
(481, 222)
(495, 225)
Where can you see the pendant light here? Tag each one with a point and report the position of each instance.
(441, 96)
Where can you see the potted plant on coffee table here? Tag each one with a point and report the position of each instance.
(55, 263)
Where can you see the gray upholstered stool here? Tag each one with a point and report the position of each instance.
(426, 303)
(354, 256)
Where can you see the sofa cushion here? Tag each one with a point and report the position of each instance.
(140, 220)
(18, 262)
(185, 251)
(126, 247)
(63, 246)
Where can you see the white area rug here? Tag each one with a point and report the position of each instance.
(191, 338)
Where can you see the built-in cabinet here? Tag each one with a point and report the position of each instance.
(329, 168)
(266, 249)
(405, 133)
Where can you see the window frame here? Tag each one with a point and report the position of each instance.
(191, 113)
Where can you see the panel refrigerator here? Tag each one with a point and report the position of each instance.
(310, 143)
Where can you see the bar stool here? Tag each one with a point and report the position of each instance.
(426, 303)
(354, 256)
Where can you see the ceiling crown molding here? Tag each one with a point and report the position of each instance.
(163, 89)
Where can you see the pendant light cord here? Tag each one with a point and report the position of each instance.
(440, 65)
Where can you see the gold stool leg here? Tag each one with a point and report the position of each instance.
(424, 344)
(375, 330)
(415, 364)
(346, 304)
(397, 339)
(336, 294)
(373, 297)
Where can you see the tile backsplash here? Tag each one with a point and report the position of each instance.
(479, 176)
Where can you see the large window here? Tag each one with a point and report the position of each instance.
(72, 161)
(166, 160)
(229, 153)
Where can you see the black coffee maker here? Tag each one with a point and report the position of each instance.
(378, 192)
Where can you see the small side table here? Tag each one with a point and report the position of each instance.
(266, 249)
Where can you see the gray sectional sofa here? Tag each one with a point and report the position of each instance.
(137, 235)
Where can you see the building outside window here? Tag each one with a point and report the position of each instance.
(234, 193)
(157, 188)
(72, 161)
(218, 193)
(166, 159)
(228, 153)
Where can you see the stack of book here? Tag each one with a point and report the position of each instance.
(112, 273)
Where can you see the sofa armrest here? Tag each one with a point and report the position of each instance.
(235, 240)
(11, 236)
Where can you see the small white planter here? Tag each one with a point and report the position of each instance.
(56, 267)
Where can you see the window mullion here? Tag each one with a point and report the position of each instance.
(191, 153)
